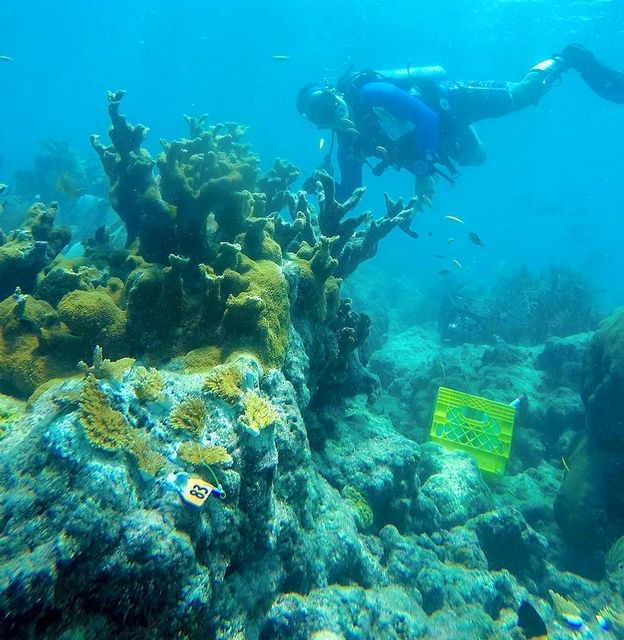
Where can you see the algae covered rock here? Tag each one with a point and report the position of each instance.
(454, 484)
(590, 504)
(603, 383)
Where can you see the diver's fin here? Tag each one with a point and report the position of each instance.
(606, 82)
(600, 78)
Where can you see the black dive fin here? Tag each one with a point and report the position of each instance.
(601, 79)
(604, 81)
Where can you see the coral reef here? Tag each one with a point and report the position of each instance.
(210, 450)
(522, 307)
(26, 251)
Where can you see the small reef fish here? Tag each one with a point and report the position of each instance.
(382, 151)
(439, 256)
(457, 263)
(427, 200)
(450, 240)
(444, 272)
(321, 144)
(454, 219)
(280, 58)
(474, 238)
(6, 59)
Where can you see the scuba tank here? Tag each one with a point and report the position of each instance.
(409, 74)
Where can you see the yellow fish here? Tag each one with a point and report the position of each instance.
(454, 219)
(321, 144)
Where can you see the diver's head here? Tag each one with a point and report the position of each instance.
(323, 105)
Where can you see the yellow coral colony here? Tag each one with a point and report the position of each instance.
(198, 455)
(107, 429)
(224, 382)
(148, 384)
(258, 413)
(190, 416)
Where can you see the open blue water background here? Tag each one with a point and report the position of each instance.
(551, 191)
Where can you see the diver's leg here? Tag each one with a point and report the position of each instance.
(537, 82)
(469, 149)
(468, 102)
(473, 101)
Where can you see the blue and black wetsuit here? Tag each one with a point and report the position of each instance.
(439, 125)
(422, 138)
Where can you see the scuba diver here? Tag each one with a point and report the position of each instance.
(417, 120)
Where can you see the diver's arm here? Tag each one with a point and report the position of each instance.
(350, 170)
(405, 106)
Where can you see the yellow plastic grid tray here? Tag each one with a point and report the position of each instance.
(479, 426)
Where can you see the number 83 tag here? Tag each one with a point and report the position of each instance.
(197, 490)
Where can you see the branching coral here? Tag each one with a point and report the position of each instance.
(190, 416)
(259, 413)
(134, 192)
(525, 306)
(198, 455)
(108, 429)
(148, 384)
(26, 251)
(224, 381)
(202, 176)
(356, 238)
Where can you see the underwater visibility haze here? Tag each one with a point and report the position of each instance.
(311, 320)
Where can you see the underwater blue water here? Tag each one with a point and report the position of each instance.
(551, 191)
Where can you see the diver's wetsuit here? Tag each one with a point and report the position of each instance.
(442, 130)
